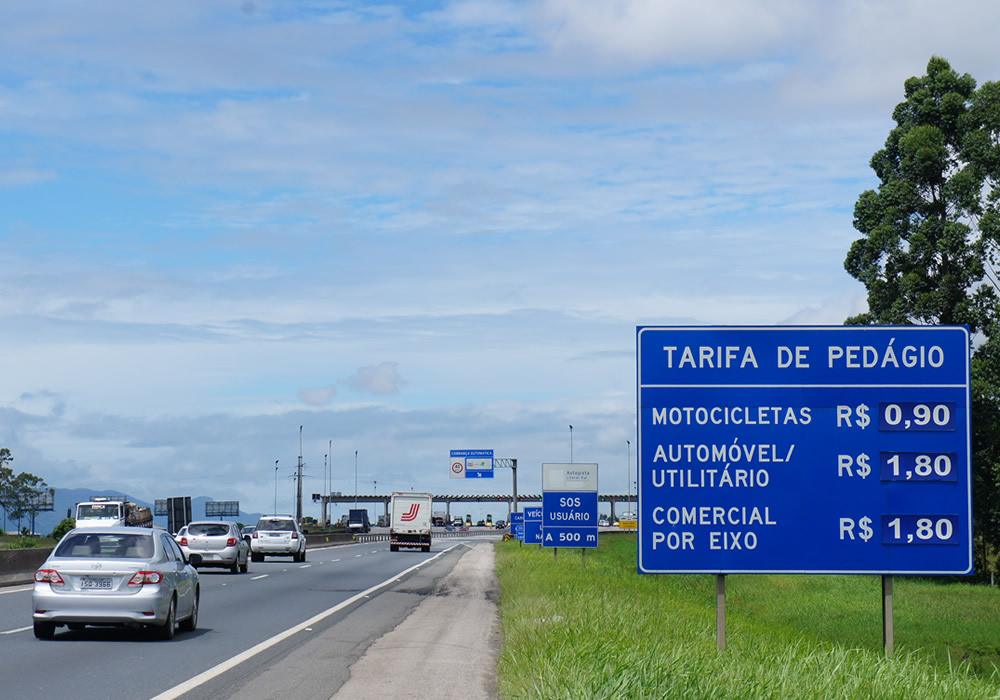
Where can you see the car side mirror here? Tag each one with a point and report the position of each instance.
(194, 559)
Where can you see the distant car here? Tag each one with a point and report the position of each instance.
(603, 522)
(500, 524)
(117, 576)
(219, 544)
(481, 523)
(246, 533)
(277, 535)
(181, 533)
(457, 522)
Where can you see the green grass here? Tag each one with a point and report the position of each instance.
(603, 631)
(16, 541)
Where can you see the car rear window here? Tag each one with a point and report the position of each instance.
(106, 546)
(207, 529)
(272, 525)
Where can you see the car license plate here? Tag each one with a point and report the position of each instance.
(102, 582)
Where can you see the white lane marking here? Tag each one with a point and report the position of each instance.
(258, 578)
(192, 683)
(16, 589)
(333, 560)
(358, 555)
(306, 566)
(19, 629)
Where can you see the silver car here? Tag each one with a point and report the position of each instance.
(219, 544)
(120, 576)
(277, 535)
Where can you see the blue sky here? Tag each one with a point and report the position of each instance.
(414, 227)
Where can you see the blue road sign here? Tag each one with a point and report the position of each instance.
(804, 450)
(533, 525)
(475, 464)
(569, 518)
(517, 525)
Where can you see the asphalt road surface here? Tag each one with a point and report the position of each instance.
(354, 621)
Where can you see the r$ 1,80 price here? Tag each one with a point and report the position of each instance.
(919, 529)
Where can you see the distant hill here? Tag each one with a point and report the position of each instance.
(65, 500)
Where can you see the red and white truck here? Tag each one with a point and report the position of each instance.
(411, 521)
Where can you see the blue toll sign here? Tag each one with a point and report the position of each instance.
(517, 525)
(804, 450)
(533, 525)
(471, 464)
(569, 518)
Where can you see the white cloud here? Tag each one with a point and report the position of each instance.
(382, 378)
(319, 396)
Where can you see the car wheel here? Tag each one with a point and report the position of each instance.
(302, 557)
(235, 568)
(256, 557)
(245, 565)
(45, 630)
(393, 547)
(168, 628)
(191, 622)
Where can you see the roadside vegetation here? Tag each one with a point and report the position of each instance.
(603, 631)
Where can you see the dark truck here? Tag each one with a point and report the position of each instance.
(357, 520)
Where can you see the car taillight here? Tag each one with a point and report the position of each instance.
(141, 577)
(184, 542)
(231, 542)
(254, 535)
(295, 535)
(50, 575)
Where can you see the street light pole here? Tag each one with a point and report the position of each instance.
(298, 485)
(275, 487)
(571, 443)
(628, 469)
(355, 478)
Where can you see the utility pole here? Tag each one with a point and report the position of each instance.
(298, 499)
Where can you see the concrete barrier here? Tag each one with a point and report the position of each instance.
(18, 566)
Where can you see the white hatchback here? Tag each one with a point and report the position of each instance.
(219, 543)
(277, 535)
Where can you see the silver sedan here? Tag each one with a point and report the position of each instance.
(219, 543)
(121, 576)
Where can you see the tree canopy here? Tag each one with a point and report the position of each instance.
(930, 238)
(20, 494)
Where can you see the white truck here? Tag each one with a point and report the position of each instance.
(99, 512)
(411, 521)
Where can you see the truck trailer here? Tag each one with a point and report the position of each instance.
(411, 521)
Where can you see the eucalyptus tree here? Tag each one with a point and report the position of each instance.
(930, 237)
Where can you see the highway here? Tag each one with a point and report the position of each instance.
(251, 626)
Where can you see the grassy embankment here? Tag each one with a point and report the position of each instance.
(17, 542)
(603, 631)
